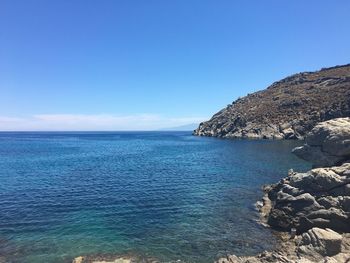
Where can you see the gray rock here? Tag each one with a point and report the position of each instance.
(289, 133)
(315, 246)
(327, 144)
(346, 204)
(333, 136)
(316, 156)
(329, 201)
(317, 198)
(325, 242)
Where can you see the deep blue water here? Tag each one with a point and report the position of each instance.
(168, 195)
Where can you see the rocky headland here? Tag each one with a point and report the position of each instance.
(312, 209)
(288, 109)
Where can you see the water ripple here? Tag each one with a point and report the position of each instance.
(164, 194)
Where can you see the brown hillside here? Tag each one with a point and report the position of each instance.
(287, 109)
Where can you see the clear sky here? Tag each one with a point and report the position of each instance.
(147, 64)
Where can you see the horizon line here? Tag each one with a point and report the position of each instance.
(161, 130)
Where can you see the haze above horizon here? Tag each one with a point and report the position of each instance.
(147, 65)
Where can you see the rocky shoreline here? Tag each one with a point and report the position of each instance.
(309, 211)
(315, 246)
(312, 209)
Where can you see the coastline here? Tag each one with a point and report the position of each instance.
(309, 212)
(289, 248)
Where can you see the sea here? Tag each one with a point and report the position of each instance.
(166, 195)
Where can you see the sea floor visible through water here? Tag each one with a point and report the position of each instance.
(167, 195)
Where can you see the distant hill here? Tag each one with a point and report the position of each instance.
(187, 127)
(287, 109)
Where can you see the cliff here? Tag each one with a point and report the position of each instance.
(287, 109)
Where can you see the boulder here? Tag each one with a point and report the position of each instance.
(78, 260)
(317, 198)
(327, 144)
(333, 136)
(316, 156)
(325, 242)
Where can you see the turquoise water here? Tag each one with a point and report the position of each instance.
(167, 195)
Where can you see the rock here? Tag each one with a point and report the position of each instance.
(233, 259)
(78, 260)
(325, 242)
(271, 257)
(321, 196)
(288, 109)
(316, 156)
(327, 144)
(339, 258)
(314, 204)
(315, 246)
(289, 134)
(328, 202)
(346, 203)
(317, 198)
(333, 136)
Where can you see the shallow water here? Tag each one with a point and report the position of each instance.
(168, 195)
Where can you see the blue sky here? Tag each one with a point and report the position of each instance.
(147, 64)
